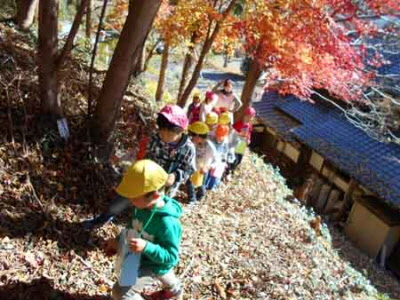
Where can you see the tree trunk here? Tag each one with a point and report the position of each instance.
(137, 25)
(226, 59)
(88, 19)
(138, 63)
(187, 65)
(210, 38)
(94, 52)
(163, 69)
(26, 10)
(252, 76)
(47, 52)
(74, 30)
(196, 73)
(150, 55)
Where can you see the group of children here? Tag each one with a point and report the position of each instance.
(219, 144)
(194, 149)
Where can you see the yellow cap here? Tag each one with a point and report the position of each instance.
(142, 177)
(196, 93)
(199, 128)
(224, 118)
(211, 118)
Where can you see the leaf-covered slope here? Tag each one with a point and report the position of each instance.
(247, 242)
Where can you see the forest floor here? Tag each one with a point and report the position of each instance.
(247, 240)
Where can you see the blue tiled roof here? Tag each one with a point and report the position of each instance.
(306, 112)
(267, 110)
(393, 67)
(390, 53)
(374, 164)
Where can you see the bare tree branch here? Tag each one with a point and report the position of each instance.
(72, 33)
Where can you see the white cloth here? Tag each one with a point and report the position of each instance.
(233, 140)
(221, 152)
(205, 155)
(229, 101)
(226, 101)
(206, 108)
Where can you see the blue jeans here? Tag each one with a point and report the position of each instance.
(118, 205)
(212, 182)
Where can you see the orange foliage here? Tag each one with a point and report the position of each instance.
(116, 18)
(307, 46)
(228, 38)
(178, 23)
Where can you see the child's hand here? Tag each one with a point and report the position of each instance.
(171, 179)
(137, 245)
(111, 247)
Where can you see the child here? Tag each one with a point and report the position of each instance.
(233, 140)
(225, 118)
(205, 153)
(212, 122)
(222, 148)
(244, 128)
(207, 105)
(154, 233)
(193, 112)
(170, 148)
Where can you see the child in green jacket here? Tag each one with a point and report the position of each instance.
(154, 232)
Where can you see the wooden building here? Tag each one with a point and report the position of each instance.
(336, 168)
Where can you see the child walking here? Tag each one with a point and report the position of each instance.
(205, 154)
(233, 140)
(221, 145)
(207, 105)
(212, 122)
(153, 235)
(244, 129)
(193, 111)
(171, 148)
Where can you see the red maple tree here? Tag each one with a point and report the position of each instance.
(306, 44)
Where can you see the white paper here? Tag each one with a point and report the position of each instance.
(63, 128)
(219, 170)
(127, 262)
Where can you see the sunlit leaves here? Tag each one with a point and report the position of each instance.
(307, 43)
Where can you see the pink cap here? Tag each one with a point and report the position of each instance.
(176, 115)
(250, 111)
(209, 95)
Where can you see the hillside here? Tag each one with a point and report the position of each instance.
(247, 240)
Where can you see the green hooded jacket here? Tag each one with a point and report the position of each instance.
(162, 231)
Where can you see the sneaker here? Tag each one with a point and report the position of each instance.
(164, 295)
(228, 178)
(190, 206)
(200, 197)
